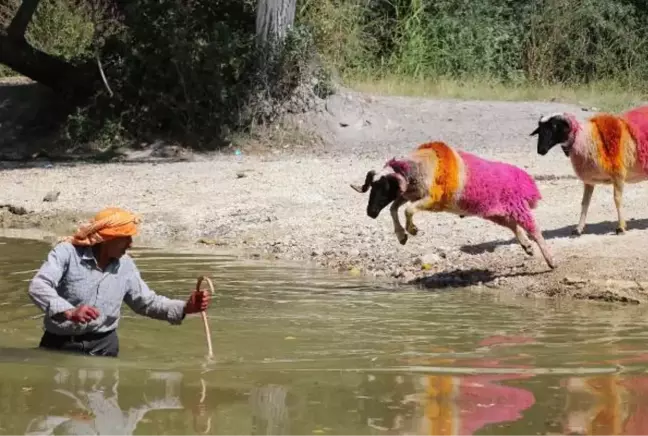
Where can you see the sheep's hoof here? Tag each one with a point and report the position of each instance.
(577, 232)
(620, 231)
(412, 230)
(402, 239)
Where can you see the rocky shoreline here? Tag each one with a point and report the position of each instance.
(295, 203)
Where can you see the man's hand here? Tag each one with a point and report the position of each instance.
(197, 302)
(81, 314)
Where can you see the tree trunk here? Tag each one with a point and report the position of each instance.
(273, 20)
(43, 68)
(18, 26)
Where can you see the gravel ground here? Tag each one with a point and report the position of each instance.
(296, 204)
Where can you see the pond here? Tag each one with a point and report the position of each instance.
(306, 351)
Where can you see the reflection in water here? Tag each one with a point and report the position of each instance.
(606, 405)
(269, 410)
(86, 401)
(442, 404)
(462, 405)
(300, 351)
(93, 403)
(445, 404)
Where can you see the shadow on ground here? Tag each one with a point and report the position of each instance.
(31, 118)
(29, 115)
(600, 228)
(460, 278)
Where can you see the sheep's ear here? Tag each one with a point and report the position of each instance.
(536, 131)
(358, 188)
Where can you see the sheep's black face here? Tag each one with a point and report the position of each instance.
(383, 191)
(551, 132)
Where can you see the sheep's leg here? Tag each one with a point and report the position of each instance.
(528, 223)
(522, 238)
(410, 210)
(585, 202)
(618, 197)
(519, 232)
(398, 227)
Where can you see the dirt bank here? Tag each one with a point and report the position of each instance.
(296, 203)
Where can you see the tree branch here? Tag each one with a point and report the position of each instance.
(21, 20)
(44, 68)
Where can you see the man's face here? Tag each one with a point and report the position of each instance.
(116, 248)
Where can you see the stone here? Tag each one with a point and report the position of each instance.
(408, 276)
(428, 259)
(52, 196)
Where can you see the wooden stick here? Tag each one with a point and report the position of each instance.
(210, 352)
(202, 409)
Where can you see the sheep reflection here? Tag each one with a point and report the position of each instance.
(92, 399)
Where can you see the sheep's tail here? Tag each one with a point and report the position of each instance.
(533, 202)
(637, 122)
(529, 188)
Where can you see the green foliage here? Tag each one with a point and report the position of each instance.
(63, 28)
(587, 41)
(191, 71)
(510, 41)
(185, 82)
(187, 71)
(199, 82)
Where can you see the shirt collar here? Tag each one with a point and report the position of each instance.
(88, 255)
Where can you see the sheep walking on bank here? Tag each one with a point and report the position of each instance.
(605, 149)
(437, 178)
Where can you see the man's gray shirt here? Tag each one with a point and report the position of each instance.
(70, 277)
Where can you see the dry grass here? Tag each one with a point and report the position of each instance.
(601, 96)
(286, 134)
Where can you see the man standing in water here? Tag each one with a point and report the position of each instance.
(81, 286)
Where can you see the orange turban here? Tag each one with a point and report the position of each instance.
(109, 223)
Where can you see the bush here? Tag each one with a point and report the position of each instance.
(64, 28)
(191, 71)
(197, 83)
(586, 41)
(186, 71)
(538, 41)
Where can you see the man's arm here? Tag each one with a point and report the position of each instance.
(145, 302)
(42, 288)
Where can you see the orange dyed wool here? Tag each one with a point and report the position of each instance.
(611, 131)
(446, 174)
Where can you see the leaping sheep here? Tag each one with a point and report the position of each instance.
(438, 178)
(605, 149)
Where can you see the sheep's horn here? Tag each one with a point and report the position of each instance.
(367, 183)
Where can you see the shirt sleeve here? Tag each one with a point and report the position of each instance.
(42, 288)
(144, 301)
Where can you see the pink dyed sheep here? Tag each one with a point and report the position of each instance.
(606, 149)
(438, 178)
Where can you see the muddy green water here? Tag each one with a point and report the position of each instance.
(302, 351)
